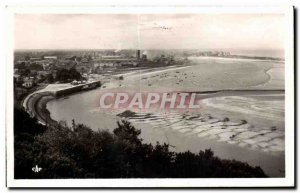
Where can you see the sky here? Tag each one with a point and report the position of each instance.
(149, 31)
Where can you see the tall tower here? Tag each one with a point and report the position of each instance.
(138, 54)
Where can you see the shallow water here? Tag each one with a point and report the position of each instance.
(204, 74)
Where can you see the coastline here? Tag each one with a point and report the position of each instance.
(175, 133)
(36, 102)
(36, 107)
(44, 117)
(243, 57)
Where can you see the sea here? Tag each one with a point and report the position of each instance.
(261, 83)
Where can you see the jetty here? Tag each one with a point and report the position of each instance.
(35, 103)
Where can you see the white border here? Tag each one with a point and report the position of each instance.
(288, 181)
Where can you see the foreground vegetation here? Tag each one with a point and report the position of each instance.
(79, 152)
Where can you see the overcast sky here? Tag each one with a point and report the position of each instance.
(157, 31)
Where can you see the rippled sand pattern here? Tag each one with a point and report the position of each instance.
(204, 126)
(264, 108)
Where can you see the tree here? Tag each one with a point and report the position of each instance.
(20, 65)
(25, 72)
(126, 131)
(64, 75)
(50, 78)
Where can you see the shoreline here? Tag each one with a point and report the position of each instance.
(36, 103)
(42, 98)
(176, 136)
(242, 57)
(228, 139)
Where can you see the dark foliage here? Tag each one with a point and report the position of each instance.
(79, 152)
(25, 124)
(25, 72)
(65, 75)
(35, 66)
(26, 129)
(20, 65)
(50, 78)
